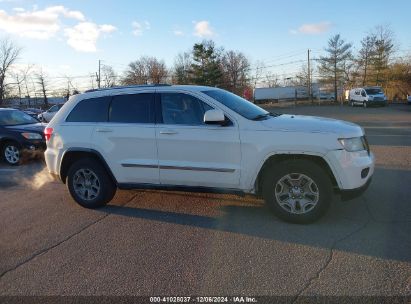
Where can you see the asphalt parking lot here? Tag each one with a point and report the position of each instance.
(162, 243)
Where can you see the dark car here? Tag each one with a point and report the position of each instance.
(20, 134)
(34, 110)
(32, 114)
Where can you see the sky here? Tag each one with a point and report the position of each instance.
(69, 37)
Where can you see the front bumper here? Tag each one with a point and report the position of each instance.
(353, 193)
(352, 170)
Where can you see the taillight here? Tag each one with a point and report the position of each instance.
(47, 133)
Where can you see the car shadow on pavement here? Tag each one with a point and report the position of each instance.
(356, 226)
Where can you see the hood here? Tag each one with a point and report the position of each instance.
(313, 124)
(36, 127)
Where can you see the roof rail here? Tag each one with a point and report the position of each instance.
(129, 87)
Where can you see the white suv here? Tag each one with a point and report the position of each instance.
(195, 138)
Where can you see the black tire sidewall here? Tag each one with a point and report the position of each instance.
(308, 168)
(107, 189)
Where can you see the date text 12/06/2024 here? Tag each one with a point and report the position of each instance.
(201, 299)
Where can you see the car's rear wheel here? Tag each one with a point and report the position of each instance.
(89, 184)
(297, 191)
(11, 153)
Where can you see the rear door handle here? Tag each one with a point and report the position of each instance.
(168, 132)
(103, 130)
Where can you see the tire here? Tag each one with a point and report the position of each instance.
(11, 153)
(317, 191)
(89, 184)
(364, 104)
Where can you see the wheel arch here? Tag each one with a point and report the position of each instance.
(4, 140)
(278, 158)
(74, 154)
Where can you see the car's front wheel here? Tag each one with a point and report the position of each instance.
(365, 104)
(11, 153)
(89, 184)
(298, 191)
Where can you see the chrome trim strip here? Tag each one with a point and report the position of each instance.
(179, 168)
(139, 166)
(197, 169)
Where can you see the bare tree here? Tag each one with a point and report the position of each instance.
(271, 80)
(366, 55)
(9, 53)
(181, 69)
(259, 66)
(301, 79)
(136, 73)
(235, 67)
(332, 65)
(384, 48)
(21, 81)
(157, 70)
(18, 81)
(41, 80)
(109, 76)
(145, 70)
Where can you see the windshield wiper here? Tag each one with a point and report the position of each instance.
(262, 116)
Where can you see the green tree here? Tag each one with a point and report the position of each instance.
(206, 69)
(333, 65)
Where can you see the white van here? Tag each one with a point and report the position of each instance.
(367, 96)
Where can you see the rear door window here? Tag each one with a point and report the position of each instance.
(132, 108)
(90, 110)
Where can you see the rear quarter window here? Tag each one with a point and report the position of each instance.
(90, 110)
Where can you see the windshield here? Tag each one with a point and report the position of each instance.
(237, 104)
(15, 117)
(374, 91)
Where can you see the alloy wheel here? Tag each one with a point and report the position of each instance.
(297, 193)
(12, 154)
(86, 184)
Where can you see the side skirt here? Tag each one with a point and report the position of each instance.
(127, 186)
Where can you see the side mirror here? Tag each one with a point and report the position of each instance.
(214, 117)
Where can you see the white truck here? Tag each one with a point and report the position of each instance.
(280, 93)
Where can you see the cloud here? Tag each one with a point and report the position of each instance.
(83, 37)
(313, 28)
(178, 33)
(36, 24)
(139, 28)
(203, 29)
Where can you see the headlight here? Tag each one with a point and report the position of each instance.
(352, 144)
(31, 135)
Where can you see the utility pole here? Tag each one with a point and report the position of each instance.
(68, 89)
(309, 76)
(98, 75)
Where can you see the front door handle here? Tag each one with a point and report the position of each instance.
(103, 130)
(168, 132)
